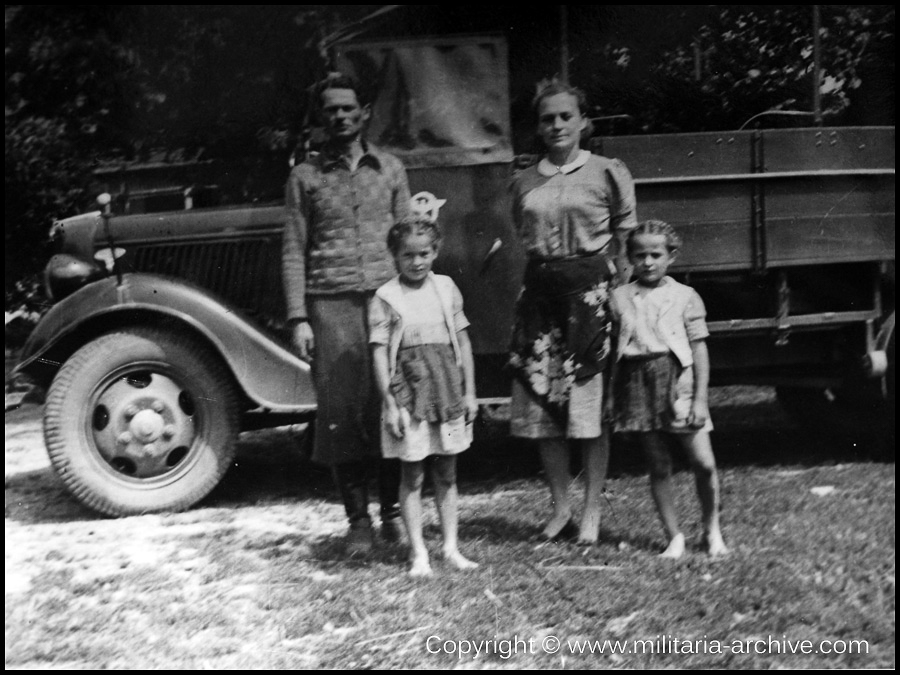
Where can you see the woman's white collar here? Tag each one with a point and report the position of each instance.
(547, 168)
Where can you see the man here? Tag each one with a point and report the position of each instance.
(341, 204)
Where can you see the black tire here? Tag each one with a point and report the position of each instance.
(141, 421)
(888, 447)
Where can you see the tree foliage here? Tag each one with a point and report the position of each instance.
(753, 59)
(92, 84)
(58, 108)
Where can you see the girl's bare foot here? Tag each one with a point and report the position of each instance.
(590, 526)
(559, 527)
(420, 567)
(675, 549)
(459, 561)
(715, 545)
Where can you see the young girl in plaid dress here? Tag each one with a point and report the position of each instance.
(425, 372)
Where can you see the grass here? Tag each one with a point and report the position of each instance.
(256, 577)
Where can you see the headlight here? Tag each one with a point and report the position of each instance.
(65, 274)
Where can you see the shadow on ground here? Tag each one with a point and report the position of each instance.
(269, 467)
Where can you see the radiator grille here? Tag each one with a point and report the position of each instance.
(245, 273)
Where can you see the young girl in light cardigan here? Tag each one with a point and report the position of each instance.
(661, 378)
(425, 372)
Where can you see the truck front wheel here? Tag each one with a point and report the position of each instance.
(141, 420)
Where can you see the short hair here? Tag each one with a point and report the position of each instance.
(660, 227)
(552, 87)
(337, 80)
(410, 226)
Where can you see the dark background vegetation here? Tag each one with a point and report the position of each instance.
(90, 85)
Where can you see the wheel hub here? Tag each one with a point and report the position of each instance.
(147, 426)
(144, 424)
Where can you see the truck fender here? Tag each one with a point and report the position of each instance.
(269, 374)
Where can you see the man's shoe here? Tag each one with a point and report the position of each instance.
(360, 540)
(393, 530)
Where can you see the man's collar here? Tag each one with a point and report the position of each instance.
(547, 168)
(331, 156)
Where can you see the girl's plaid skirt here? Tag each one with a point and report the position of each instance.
(645, 392)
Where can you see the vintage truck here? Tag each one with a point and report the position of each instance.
(167, 334)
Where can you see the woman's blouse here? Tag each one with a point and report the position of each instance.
(573, 209)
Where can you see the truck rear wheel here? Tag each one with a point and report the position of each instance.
(141, 420)
(890, 384)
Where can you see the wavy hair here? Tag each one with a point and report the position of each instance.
(660, 227)
(552, 87)
(410, 226)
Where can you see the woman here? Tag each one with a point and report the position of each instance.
(572, 210)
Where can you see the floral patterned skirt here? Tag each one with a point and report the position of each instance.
(562, 331)
(530, 419)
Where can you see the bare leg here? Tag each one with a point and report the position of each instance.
(660, 461)
(595, 460)
(411, 479)
(555, 458)
(703, 463)
(443, 472)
